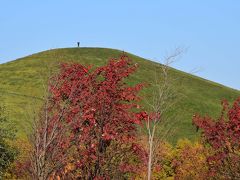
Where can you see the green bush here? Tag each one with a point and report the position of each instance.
(7, 133)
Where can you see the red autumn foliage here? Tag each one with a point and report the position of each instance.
(223, 135)
(101, 112)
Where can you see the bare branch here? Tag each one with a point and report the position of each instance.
(162, 100)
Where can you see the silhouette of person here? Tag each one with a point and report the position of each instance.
(78, 44)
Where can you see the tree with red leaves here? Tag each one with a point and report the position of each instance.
(223, 135)
(93, 112)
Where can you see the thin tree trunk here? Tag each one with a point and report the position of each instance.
(150, 158)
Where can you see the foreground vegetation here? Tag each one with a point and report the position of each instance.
(88, 128)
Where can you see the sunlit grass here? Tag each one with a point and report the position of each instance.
(22, 84)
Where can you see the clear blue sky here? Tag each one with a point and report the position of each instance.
(210, 29)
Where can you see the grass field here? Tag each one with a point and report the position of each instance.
(22, 82)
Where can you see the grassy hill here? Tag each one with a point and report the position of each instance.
(22, 82)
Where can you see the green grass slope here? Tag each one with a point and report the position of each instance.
(22, 82)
